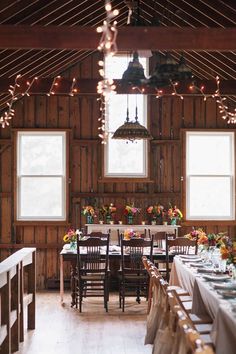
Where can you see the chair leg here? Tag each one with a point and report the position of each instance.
(123, 296)
(80, 296)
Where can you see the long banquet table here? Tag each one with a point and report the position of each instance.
(114, 254)
(206, 300)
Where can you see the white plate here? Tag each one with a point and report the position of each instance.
(227, 293)
(220, 277)
(224, 286)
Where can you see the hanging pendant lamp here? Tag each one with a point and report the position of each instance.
(132, 130)
(134, 74)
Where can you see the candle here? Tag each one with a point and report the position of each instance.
(120, 222)
(143, 222)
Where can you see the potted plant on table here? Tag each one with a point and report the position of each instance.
(89, 212)
(155, 213)
(107, 212)
(130, 211)
(71, 237)
(174, 214)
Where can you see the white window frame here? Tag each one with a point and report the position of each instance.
(107, 151)
(63, 215)
(231, 176)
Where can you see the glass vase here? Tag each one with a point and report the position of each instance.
(173, 221)
(108, 219)
(89, 219)
(73, 245)
(130, 219)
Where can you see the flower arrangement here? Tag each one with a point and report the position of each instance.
(71, 235)
(107, 210)
(155, 210)
(129, 233)
(131, 210)
(212, 239)
(228, 250)
(88, 210)
(174, 213)
(196, 234)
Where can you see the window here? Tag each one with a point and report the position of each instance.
(124, 159)
(41, 175)
(210, 176)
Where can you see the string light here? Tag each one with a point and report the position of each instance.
(9, 113)
(175, 93)
(73, 89)
(106, 86)
(230, 117)
(54, 85)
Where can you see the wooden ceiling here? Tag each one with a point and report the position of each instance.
(31, 18)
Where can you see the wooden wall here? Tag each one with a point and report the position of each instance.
(167, 116)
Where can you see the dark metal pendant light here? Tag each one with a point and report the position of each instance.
(132, 130)
(134, 74)
(169, 70)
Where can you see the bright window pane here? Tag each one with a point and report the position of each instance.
(41, 175)
(122, 158)
(43, 202)
(41, 154)
(209, 154)
(210, 197)
(210, 175)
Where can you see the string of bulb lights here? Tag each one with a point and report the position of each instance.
(106, 87)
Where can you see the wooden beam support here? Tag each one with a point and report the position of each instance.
(89, 87)
(129, 38)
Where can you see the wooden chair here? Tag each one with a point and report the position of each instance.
(92, 269)
(133, 278)
(98, 234)
(179, 245)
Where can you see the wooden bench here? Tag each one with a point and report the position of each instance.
(17, 292)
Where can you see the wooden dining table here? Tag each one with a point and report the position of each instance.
(206, 300)
(114, 255)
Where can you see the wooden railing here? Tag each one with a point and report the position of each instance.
(17, 292)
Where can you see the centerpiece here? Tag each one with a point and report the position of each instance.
(107, 212)
(130, 212)
(196, 234)
(212, 240)
(89, 212)
(174, 214)
(155, 213)
(71, 237)
(130, 233)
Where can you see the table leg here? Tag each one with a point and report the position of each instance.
(73, 284)
(61, 279)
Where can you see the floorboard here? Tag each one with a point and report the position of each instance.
(63, 330)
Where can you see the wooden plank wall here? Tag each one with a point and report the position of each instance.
(167, 116)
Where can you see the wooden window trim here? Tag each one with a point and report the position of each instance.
(67, 179)
(189, 222)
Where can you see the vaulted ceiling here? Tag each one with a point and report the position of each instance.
(49, 62)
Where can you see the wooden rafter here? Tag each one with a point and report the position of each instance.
(152, 38)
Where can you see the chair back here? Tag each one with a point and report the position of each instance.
(132, 252)
(179, 245)
(98, 234)
(92, 255)
(159, 239)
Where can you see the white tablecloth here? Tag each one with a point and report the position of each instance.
(207, 301)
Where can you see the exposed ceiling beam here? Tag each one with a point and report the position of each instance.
(129, 38)
(88, 87)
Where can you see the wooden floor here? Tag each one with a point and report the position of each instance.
(63, 330)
